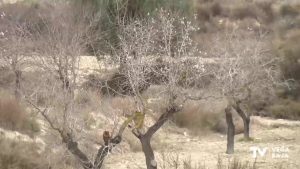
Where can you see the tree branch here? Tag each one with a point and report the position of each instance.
(66, 138)
(162, 119)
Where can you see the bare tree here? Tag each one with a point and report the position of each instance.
(72, 145)
(144, 43)
(15, 44)
(136, 44)
(247, 69)
(58, 47)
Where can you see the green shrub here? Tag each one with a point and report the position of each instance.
(259, 10)
(206, 10)
(291, 10)
(286, 109)
(292, 91)
(266, 11)
(113, 11)
(89, 121)
(290, 65)
(288, 50)
(115, 84)
(7, 78)
(31, 126)
(244, 11)
(137, 8)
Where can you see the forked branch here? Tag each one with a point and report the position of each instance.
(72, 145)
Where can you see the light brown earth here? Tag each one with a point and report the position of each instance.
(208, 149)
(173, 144)
(177, 145)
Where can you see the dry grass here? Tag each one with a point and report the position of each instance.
(132, 141)
(125, 105)
(201, 118)
(175, 161)
(87, 99)
(20, 155)
(135, 145)
(196, 118)
(12, 114)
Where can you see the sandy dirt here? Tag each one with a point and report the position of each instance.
(177, 145)
(206, 150)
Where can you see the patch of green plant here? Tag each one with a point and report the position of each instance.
(291, 10)
(113, 12)
(244, 139)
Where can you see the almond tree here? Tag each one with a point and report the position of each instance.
(147, 45)
(247, 69)
(58, 47)
(15, 44)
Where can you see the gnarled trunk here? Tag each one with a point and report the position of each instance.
(146, 138)
(148, 152)
(246, 120)
(230, 131)
(73, 147)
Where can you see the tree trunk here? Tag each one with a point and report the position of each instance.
(104, 150)
(18, 75)
(230, 131)
(247, 127)
(246, 120)
(148, 152)
(146, 138)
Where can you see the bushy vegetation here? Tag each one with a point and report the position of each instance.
(138, 8)
(196, 119)
(13, 116)
(290, 53)
(286, 109)
(6, 77)
(287, 49)
(199, 119)
(112, 13)
(290, 10)
(262, 11)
